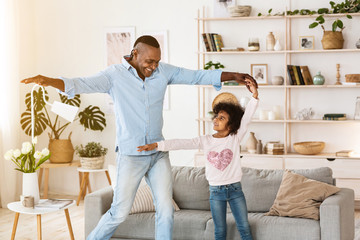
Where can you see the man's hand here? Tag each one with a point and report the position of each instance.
(238, 77)
(46, 81)
(147, 147)
(252, 88)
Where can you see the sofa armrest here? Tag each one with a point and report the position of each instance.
(96, 204)
(337, 216)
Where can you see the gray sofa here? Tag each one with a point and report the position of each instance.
(260, 187)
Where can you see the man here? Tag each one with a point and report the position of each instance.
(137, 87)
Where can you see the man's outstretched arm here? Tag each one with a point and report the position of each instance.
(238, 77)
(46, 81)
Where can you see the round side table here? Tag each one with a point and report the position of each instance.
(85, 183)
(18, 208)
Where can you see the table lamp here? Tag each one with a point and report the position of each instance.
(65, 111)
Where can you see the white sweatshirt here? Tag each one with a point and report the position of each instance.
(223, 163)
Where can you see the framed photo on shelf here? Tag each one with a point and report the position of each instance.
(306, 42)
(259, 72)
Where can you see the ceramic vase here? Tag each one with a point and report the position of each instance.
(270, 42)
(30, 186)
(251, 143)
(318, 79)
(277, 46)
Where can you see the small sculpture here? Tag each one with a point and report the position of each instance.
(304, 114)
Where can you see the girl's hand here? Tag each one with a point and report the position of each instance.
(147, 147)
(252, 87)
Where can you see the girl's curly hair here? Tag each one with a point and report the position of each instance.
(235, 114)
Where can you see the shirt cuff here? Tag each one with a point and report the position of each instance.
(69, 88)
(160, 146)
(217, 80)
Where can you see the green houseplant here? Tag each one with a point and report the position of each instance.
(92, 155)
(62, 149)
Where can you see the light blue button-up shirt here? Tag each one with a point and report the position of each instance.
(138, 104)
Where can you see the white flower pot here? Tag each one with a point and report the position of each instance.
(30, 186)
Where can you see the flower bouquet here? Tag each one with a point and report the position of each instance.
(27, 160)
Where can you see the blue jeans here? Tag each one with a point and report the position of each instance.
(130, 170)
(232, 193)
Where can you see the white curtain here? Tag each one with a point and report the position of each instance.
(9, 99)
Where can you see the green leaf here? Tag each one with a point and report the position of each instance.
(314, 24)
(92, 118)
(270, 10)
(73, 101)
(39, 103)
(41, 122)
(340, 24)
(320, 19)
(349, 16)
(259, 14)
(323, 10)
(334, 26)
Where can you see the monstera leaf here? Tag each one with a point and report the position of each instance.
(92, 118)
(41, 122)
(74, 101)
(39, 102)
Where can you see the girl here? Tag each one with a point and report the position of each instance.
(223, 165)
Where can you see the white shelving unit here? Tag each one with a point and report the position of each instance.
(343, 167)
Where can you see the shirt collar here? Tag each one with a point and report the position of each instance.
(126, 64)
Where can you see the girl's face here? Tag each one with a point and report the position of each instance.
(220, 122)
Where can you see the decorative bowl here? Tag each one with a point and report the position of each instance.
(309, 148)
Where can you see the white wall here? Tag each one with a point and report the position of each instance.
(66, 38)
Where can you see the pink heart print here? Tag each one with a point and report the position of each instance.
(220, 160)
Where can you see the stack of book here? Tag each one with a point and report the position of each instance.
(212, 42)
(274, 148)
(299, 75)
(334, 116)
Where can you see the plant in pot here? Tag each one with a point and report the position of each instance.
(217, 65)
(62, 150)
(92, 155)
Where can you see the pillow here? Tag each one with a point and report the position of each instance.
(300, 197)
(143, 199)
(144, 203)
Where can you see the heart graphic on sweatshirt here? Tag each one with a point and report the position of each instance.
(220, 160)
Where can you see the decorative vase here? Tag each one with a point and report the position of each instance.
(30, 186)
(270, 42)
(277, 80)
(62, 150)
(251, 143)
(357, 44)
(318, 79)
(332, 40)
(277, 46)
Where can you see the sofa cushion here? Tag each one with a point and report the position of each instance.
(194, 197)
(260, 186)
(188, 224)
(300, 197)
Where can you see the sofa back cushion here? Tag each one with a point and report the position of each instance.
(190, 188)
(260, 186)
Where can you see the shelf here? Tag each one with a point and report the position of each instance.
(207, 119)
(352, 50)
(297, 155)
(284, 86)
(242, 86)
(278, 17)
(252, 121)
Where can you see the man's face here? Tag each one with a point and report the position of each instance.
(146, 59)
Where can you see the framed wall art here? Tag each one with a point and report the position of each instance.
(118, 42)
(259, 72)
(306, 42)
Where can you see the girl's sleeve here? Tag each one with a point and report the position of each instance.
(249, 113)
(178, 144)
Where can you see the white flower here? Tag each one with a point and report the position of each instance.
(26, 148)
(17, 153)
(35, 141)
(45, 152)
(37, 155)
(9, 154)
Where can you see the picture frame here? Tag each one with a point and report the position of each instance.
(259, 72)
(118, 43)
(306, 42)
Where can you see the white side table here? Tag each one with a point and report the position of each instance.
(85, 183)
(18, 208)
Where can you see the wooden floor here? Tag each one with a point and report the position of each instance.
(54, 225)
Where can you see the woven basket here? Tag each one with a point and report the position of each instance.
(309, 148)
(62, 150)
(332, 40)
(92, 163)
(225, 97)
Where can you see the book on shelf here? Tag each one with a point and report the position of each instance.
(213, 41)
(218, 42)
(54, 203)
(208, 37)
(291, 75)
(344, 153)
(297, 78)
(334, 115)
(302, 82)
(206, 43)
(335, 118)
(306, 75)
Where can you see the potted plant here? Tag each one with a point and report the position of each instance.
(62, 149)
(212, 65)
(92, 155)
